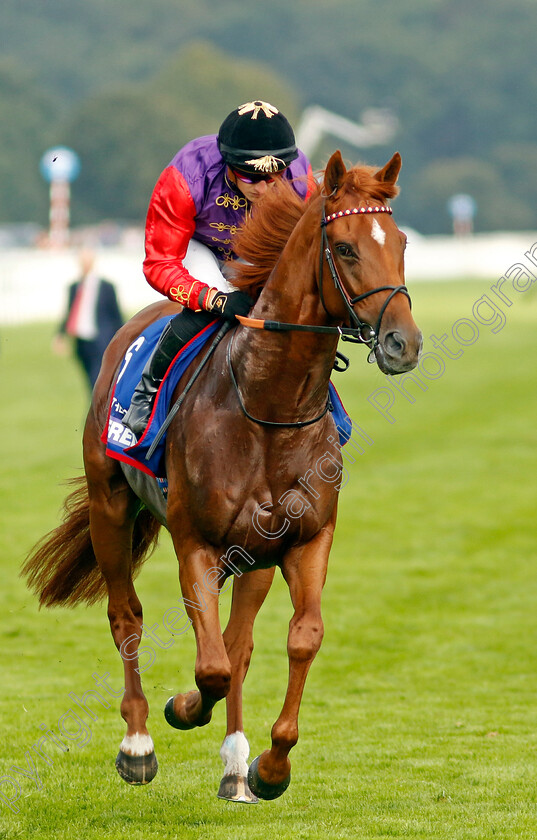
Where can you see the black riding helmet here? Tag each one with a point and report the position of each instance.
(257, 138)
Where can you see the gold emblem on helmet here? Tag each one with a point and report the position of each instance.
(268, 163)
(257, 106)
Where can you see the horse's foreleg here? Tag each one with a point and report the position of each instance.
(112, 514)
(305, 571)
(249, 592)
(212, 670)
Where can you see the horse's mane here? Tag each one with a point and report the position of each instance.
(263, 236)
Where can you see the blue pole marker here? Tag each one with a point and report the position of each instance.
(59, 164)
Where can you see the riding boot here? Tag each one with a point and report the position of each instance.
(177, 332)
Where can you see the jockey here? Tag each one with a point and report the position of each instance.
(198, 204)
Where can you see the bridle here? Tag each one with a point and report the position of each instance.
(360, 332)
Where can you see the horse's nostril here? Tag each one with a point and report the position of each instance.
(394, 343)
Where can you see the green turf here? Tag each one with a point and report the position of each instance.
(419, 718)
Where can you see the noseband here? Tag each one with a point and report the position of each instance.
(361, 332)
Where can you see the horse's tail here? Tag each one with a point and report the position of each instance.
(62, 569)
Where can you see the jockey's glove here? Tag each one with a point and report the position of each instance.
(227, 304)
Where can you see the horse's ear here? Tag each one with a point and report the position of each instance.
(389, 173)
(334, 173)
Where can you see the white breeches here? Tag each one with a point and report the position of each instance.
(202, 264)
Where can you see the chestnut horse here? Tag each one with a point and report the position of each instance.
(238, 457)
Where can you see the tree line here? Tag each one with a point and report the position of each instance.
(125, 84)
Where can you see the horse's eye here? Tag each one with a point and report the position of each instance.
(345, 250)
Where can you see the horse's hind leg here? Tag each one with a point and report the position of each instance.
(304, 569)
(249, 592)
(113, 509)
(213, 670)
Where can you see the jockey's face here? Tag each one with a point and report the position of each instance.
(251, 192)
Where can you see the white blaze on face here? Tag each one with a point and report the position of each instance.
(377, 233)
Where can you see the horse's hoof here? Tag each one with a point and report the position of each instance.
(172, 718)
(262, 789)
(235, 789)
(177, 722)
(137, 769)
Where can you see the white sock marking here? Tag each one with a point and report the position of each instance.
(137, 744)
(377, 233)
(234, 753)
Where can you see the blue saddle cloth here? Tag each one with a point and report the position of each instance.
(121, 443)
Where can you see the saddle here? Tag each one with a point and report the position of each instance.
(120, 442)
(147, 454)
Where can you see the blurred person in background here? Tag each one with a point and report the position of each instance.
(199, 202)
(91, 319)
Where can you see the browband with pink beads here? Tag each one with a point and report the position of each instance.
(361, 211)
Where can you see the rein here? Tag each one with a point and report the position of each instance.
(297, 424)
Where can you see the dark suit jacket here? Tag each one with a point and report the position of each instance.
(109, 320)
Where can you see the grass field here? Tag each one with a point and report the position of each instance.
(420, 713)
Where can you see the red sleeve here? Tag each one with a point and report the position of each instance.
(169, 228)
